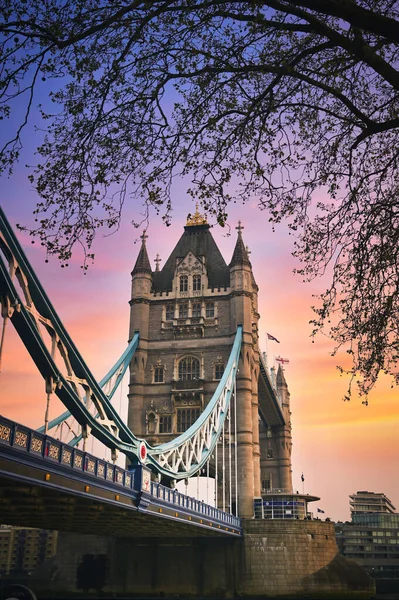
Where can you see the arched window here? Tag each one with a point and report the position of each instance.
(189, 368)
(183, 283)
(196, 283)
(219, 370)
(151, 422)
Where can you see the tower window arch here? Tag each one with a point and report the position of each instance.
(219, 370)
(196, 283)
(151, 422)
(183, 283)
(189, 368)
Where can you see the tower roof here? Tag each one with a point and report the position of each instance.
(280, 379)
(240, 254)
(199, 240)
(143, 262)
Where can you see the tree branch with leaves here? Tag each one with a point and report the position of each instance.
(294, 100)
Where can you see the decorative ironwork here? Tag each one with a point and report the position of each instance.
(5, 433)
(66, 456)
(54, 451)
(101, 470)
(196, 219)
(110, 473)
(36, 444)
(128, 480)
(21, 439)
(119, 476)
(78, 461)
(90, 465)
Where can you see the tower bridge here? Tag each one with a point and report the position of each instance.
(201, 403)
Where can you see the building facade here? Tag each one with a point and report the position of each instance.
(187, 314)
(370, 502)
(23, 549)
(372, 538)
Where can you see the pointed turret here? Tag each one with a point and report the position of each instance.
(142, 278)
(240, 254)
(284, 433)
(143, 262)
(280, 379)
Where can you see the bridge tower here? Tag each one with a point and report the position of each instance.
(187, 315)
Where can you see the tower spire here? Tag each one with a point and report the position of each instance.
(240, 254)
(143, 262)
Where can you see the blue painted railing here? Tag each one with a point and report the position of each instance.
(55, 455)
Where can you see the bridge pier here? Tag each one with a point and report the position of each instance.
(273, 559)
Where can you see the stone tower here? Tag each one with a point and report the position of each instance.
(187, 315)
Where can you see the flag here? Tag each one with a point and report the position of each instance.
(272, 338)
(282, 360)
(302, 478)
(320, 511)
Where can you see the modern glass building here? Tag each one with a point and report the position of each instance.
(372, 540)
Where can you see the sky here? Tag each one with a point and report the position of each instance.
(340, 447)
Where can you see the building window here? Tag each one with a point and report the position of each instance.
(158, 375)
(189, 369)
(196, 310)
(170, 312)
(269, 453)
(267, 483)
(186, 417)
(165, 424)
(196, 283)
(183, 311)
(183, 283)
(219, 370)
(210, 310)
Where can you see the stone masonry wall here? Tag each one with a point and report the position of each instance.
(298, 557)
(275, 558)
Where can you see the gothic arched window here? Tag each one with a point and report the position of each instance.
(219, 370)
(151, 422)
(189, 368)
(196, 283)
(183, 283)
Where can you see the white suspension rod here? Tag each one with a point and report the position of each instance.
(230, 488)
(223, 470)
(235, 443)
(216, 475)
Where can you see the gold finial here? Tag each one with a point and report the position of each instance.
(196, 219)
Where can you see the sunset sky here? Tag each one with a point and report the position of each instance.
(340, 447)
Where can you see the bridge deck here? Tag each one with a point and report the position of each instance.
(47, 484)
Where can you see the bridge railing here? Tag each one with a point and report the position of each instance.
(178, 499)
(54, 453)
